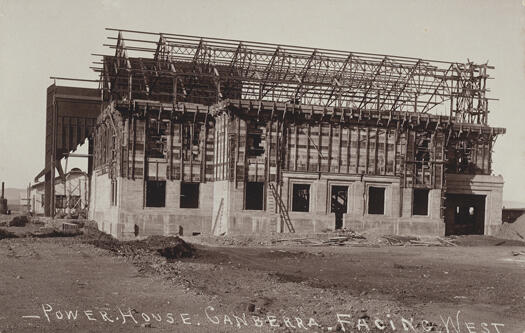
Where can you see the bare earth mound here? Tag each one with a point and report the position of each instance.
(514, 230)
(168, 247)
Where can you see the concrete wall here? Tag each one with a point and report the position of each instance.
(230, 217)
(130, 215)
(100, 208)
(489, 186)
(397, 217)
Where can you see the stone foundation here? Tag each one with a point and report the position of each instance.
(221, 207)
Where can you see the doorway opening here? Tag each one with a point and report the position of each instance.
(339, 204)
(464, 214)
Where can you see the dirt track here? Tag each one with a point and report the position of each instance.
(290, 288)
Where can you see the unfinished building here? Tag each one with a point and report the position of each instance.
(207, 135)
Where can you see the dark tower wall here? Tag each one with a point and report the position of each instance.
(70, 118)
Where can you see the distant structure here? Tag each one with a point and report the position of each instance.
(510, 215)
(3, 201)
(71, 194)
(209, 135)
(512, 210)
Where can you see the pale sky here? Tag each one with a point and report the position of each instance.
(39, 39)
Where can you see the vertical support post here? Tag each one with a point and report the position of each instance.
(376, 152)
(483, 147)
(296, 141)
(367, 158)
(224, 140)
(237, 148)
(204, 146)
(489, 166)
(340, 148)
(145, 159)
(125, 150)
(133, 145)
(169, 175)
(278, 151)
(358, 152)
(90, 172)
(181, 151)
(130, 87)
(385, 151)
(407, 142)
(348, 147)
(66, 197)
(192, 134)
(80, 194)
(53, 160)
(268, 153)
(319, 154)
(245, 161)
(308, 133)
(288, 146)
(330, 147)
(396, 141)
(431, 162)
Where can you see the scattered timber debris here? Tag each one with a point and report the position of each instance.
(352, 238)
(343, 237)
(396, 240)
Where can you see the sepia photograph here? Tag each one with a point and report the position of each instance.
(262, 166)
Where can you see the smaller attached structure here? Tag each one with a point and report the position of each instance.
(71, 113)
(71, 193)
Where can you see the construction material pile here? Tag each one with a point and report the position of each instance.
(396, 240)
(344, 237)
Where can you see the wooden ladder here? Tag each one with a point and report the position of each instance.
(283, 212)
(218, 217)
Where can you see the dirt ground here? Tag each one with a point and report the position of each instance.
(91, 283)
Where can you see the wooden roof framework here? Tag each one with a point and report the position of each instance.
(176, 67)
